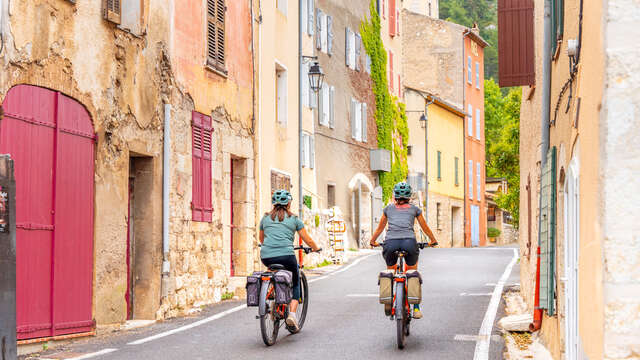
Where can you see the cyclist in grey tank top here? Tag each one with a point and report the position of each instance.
(401, 217)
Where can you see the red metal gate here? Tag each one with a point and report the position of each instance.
(50, 137)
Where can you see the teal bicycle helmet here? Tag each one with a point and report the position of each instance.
(402, 190)
(281, 197)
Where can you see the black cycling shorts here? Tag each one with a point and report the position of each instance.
(393, 245)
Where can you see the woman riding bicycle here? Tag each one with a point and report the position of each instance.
(277, 231)
(401, 217)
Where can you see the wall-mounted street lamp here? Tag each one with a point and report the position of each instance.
(316, 77)
(423, 121)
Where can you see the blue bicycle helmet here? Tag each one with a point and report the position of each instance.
(402, 190)
(281, 197)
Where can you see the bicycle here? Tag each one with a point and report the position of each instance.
(400, 307)
(272, 315)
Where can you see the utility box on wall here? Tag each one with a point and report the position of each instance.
(380, 160)
(8, 350)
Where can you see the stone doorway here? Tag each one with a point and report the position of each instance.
(457, 229)
(241, 210)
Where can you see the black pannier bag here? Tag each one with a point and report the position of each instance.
(385, 281)
(253, 288)
(284, 286)
(414, 287)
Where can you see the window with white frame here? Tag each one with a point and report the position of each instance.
(478, 124)
(304, 85)
(477, 75)
(469, 79)
(478, 181)
(470, 121)
(358, 116)
(308, 151)
(325, 32)
(324, 105)
(471, 179)
(281, 95)
(350, 48)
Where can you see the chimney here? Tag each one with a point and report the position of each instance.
(475, 29)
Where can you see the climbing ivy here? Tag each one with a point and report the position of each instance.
(390, 115)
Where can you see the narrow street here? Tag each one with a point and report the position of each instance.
(344, 321)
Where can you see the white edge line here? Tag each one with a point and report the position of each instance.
(482, 345)
(189, 326)
(363, 295)
(97, 353)
(227, 312)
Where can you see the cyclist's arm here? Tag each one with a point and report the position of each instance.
(261, 236)
(307, 239)
(426, 229)
(379, 230)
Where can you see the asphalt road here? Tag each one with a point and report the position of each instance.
(344, 320)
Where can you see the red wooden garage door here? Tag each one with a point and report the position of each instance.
(51, 140)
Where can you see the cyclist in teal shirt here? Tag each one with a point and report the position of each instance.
(277, 232)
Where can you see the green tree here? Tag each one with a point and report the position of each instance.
(483, 13)
(502, 134)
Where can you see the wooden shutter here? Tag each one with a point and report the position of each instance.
(392, 17)
(352, 116)
(332, 107)
(516, 56)
(329, 35)
(321, 101)
(548, 233)
(456, 171)
(304, 85)
(439, 165)
(216, 34)
(347, 47)
(312, 152)
(311, 10)
(364, 122)
(318, 29)
(112, 11)
(358, 41)
(303, 149)
(557, 24)
(201, 203)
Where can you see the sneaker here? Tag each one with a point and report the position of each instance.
(387, 309)
(417, 314)
(292, 322)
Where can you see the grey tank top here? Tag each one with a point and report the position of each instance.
(401, 220)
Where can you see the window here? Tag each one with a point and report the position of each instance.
(304, 85)
(409, 149)
(479, 182)
(308, 151)
(281, 95)
(477, 75)
(324, 108)
(201, 167)
(319, 26)
(439, 166)
(392, 18)
(131, 16)
(478, 124)
(363, 118)
(469, 70)
(352, 49)
(470, 121)
(358, 116)
(324, 33)
(215, 34)
(282, 6)
(280, 181)
(331, 195)
(356, 54)
(491, 213)
(111, 11)
(470, 179)
(455, 162)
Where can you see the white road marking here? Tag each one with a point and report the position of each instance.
(190, 326)
(476, 294)
(363, 295)
(97, 353)
(482, 345)
(232, 310)
(460, 337)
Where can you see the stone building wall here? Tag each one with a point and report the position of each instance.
(448, 228)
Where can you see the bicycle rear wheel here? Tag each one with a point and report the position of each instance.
(269, 324)
(400, 315)
(301, 312)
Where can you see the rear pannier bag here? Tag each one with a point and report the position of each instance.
(284, 286)
(414, 287)
(385, 280)
(253, 288)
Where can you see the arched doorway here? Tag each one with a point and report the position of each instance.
(51, 140)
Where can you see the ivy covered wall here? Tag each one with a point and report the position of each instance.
(390, 116)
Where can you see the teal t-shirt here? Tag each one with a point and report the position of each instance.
(278, 236)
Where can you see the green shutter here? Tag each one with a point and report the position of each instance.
(456, 169)
(557, 23)
(439, 167)
(548, 234)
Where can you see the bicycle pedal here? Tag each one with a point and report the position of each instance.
(257, 316)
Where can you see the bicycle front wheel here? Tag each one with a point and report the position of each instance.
(269, 324)
(301, 312)
(400, 315)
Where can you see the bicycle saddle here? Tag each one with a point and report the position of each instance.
(276, 267)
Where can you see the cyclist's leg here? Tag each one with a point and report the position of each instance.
(413, 252)
(388, 253)
(291, 263)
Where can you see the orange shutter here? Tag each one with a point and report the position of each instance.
(392, 17)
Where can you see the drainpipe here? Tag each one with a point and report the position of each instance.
(166, 154)
(426, 156)
(300, 144)
(464, 142)
(544, 143)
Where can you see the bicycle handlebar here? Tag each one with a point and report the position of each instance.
(306, 250)
(421, 245)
